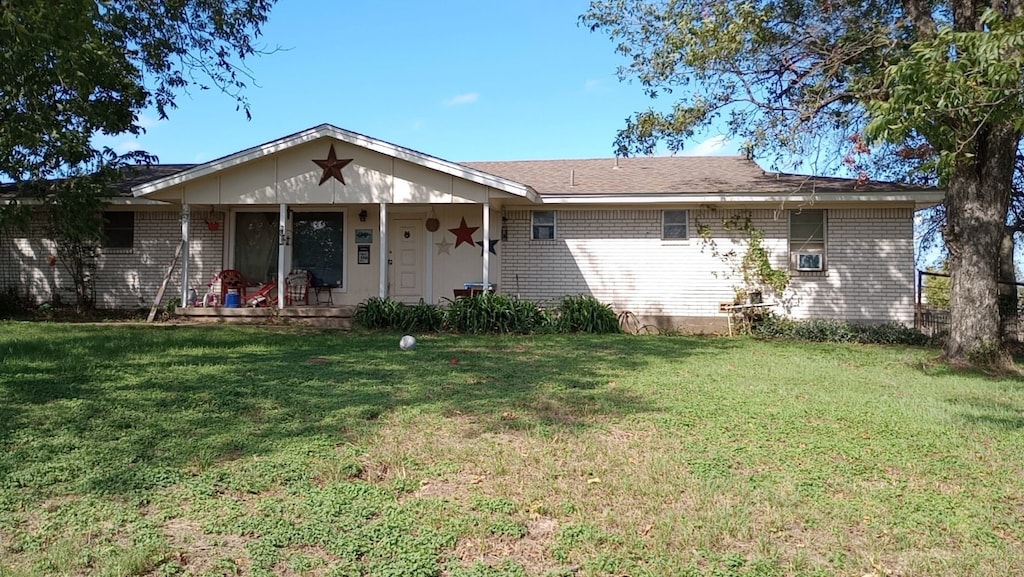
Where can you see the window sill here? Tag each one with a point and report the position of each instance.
(809, 273)
(113, 250)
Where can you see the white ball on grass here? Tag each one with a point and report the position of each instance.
(407, 343)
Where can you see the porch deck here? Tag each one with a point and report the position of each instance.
(319, 316)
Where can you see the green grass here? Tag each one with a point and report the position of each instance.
(162, 450)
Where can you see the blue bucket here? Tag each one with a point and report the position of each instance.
(232, 300)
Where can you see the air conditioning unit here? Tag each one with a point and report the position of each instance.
(809, 261)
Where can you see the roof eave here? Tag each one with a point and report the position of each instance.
(114, 200)
(916, 197)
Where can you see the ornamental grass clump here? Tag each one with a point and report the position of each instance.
(495, 313)
(585, 314)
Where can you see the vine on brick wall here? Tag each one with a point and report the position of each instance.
(753, 266)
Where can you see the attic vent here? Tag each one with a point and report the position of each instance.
(572, 178)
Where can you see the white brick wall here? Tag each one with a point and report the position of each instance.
(124, 278)
(871, 267)
(618, 256)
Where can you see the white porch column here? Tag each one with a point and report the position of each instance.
(383, 250)
(282, 244)
(186, 213)
(487, 244)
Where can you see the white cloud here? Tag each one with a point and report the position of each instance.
(146, 121)
(459, 99)
(591, 85)
(709, 147)
(126, 146)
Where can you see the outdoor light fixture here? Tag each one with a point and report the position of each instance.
(362, 215)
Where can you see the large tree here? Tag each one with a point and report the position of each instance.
(74, 69)
(937, 82)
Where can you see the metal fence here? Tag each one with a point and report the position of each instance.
(932, 319)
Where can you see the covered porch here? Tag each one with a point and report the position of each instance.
(363, 218)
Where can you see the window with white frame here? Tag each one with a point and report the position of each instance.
(807, 233)
(675, 224)
(543, 225)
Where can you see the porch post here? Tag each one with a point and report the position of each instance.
(383, 250)
(282, 243)
(185, 216)
(487, 244)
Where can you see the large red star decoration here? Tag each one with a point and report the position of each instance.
(332, 166)
(464, 234)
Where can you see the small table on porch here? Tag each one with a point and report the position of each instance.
(478, 287)
(317, 289)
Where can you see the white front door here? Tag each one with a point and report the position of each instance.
(405, 257)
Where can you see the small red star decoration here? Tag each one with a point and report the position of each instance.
(332, 166)
(464, 234)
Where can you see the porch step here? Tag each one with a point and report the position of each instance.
(317, 316)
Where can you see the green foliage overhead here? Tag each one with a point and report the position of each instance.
(73, 69)
(952, 83)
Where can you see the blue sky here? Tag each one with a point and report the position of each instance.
(461, 80)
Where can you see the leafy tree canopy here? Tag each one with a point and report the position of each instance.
(71, 69)
(933, 84)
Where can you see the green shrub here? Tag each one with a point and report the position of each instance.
(488, 313)
(585, 314)
(824, 331)
(14, 305)
(836, 331)
(422, 318)
(495, 313)
(890, 334)
(378, 313)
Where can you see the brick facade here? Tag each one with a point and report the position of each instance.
(615, 254)
(124, 278)
(619, 257)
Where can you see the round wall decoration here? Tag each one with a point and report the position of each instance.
(433, 224)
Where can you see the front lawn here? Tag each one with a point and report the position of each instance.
(163, 450)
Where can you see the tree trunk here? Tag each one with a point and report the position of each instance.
(977, 200)
(1008, 289)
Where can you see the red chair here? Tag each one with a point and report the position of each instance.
(264, 297)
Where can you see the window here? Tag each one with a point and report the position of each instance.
(119, 229)
(543, 225)
(807, 240)
(674, 224)
(318, 243)
(256, 240)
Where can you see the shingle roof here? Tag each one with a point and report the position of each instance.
(608, 176)
(133, 176)
(667, 174)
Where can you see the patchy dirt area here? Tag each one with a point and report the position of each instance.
(201, 554)
(532, 552)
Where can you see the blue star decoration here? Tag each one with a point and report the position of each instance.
(493, 242)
